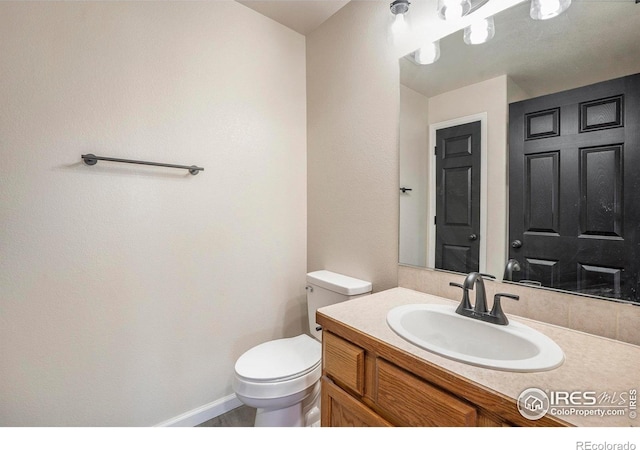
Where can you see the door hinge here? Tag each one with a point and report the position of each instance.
(435, 220)
(435, 151)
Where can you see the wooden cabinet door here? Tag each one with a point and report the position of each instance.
(411, 401)
(343, 362)
(339, 409)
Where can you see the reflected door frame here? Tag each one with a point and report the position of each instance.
(431, 232)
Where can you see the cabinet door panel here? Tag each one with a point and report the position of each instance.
(339, 409)
(343, 362)
(414, 402)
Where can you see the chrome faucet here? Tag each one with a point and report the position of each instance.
(474, 281)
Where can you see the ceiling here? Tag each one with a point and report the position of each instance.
(303, 16)
(594, 40)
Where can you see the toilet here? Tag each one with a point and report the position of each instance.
(281, 378)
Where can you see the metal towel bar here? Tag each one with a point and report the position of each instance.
(91, 159)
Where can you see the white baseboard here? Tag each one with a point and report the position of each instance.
(203, 413)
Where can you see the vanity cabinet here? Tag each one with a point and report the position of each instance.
(367, 382)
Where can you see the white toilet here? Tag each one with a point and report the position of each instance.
(281, 378)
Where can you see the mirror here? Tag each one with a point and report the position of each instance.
(591, 42)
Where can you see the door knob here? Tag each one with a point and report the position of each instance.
(516, 244)
(473, 237)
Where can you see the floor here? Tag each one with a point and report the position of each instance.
(242, 416)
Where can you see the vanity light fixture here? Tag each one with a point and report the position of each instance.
(399, 8)
(548, 9)
(480, 32)
(428, 54)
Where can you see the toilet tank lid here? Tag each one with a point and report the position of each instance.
(336, 282)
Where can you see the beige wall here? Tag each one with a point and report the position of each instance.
(128, 292)
(353, 106)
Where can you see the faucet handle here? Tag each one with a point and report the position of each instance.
(496, 313)
(464, 303)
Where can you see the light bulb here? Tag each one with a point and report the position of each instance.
(547, 9)
(428, 54)
(479, 32)
(453, 9)
(399, 25)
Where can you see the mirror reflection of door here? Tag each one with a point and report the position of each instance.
(574, 188)
(458, 198)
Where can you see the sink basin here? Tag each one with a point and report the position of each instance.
(514, 347)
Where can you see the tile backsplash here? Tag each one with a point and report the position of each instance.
(610, 319)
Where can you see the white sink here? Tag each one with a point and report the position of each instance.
(514, 347)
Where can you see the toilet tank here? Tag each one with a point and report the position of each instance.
(326, 288)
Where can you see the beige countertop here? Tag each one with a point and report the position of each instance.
(606, 368)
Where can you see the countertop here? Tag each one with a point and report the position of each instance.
(608, 369)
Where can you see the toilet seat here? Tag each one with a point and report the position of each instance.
(278, 368)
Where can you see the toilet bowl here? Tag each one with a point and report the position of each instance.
(276, 377)
(281, 378)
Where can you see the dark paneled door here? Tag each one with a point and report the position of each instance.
(458, 198)
(574, 188)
